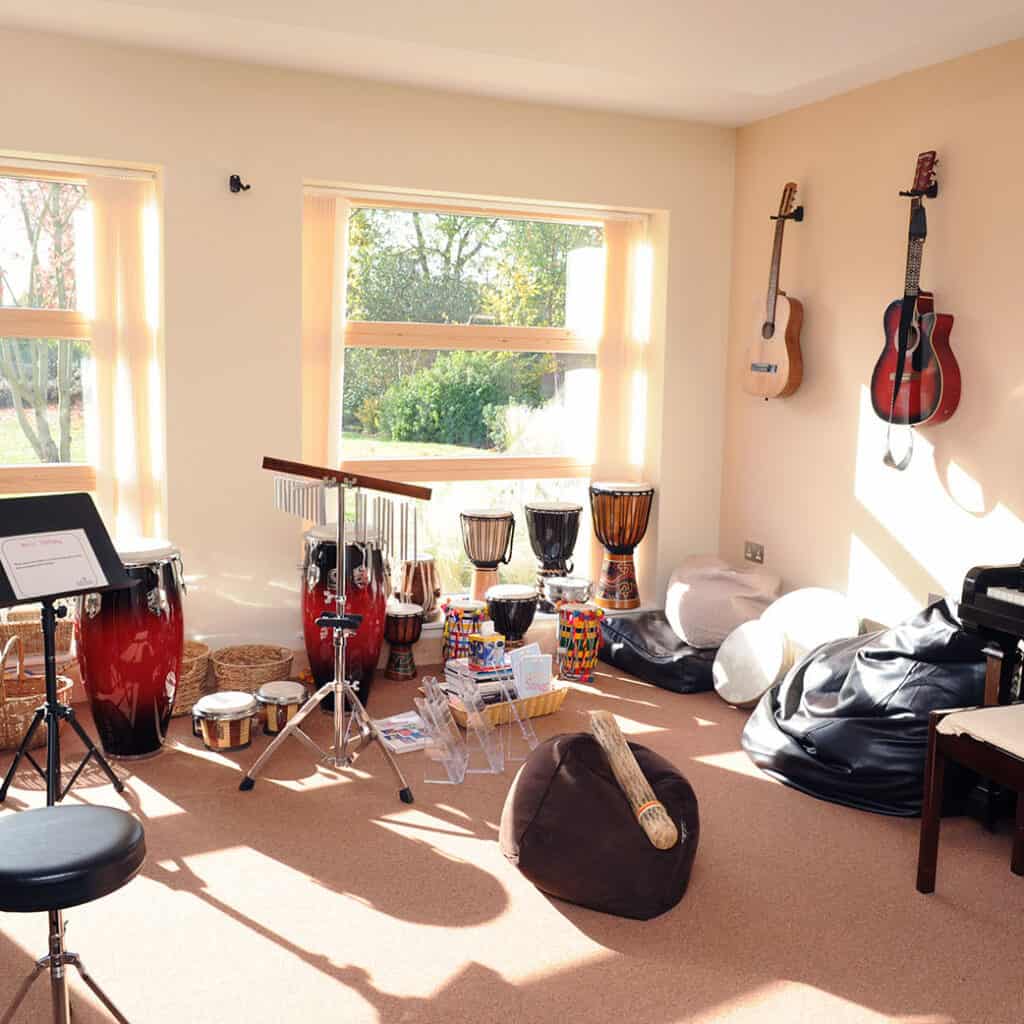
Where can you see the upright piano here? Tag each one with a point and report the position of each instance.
(992, 606)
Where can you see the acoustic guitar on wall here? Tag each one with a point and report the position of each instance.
(775, 365)
(916, 380)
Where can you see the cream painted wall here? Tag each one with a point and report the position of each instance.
(804, 475)
(232, 267)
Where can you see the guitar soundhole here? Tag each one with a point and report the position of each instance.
(767, 331)
(913, 339)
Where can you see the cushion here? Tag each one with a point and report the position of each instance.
(706, 599)
(568, 827)
(645, 646)
(1001, 727)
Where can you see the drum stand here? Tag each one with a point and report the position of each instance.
(349, 714)
(52, 713)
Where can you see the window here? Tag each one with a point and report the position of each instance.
(45, 358)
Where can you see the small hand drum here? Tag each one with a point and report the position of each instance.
(512, 607)
(487, 536)
(402, 627)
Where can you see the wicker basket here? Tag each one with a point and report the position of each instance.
(26, 623)
(20, 696)
(528, 707)
(195, 664)
(248, 666)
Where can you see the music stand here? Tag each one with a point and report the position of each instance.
(344, 748)
(54, 547)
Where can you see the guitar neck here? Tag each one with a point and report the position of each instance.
(915, 250)
(773, 274)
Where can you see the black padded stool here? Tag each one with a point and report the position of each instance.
(59, 857)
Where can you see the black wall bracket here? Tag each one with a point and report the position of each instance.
(797, 215)
(236, 185)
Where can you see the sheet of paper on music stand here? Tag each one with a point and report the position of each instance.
(60, 561)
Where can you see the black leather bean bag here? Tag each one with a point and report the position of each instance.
(849, 724)
(569, 828)
(645, 646)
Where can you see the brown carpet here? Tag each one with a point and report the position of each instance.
(320, 897)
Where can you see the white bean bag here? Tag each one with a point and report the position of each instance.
(707, 599)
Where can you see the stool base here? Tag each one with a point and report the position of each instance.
(56, 962)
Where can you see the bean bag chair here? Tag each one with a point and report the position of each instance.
(569, 828)
(706, 599)
(645, 646)
(849, 723)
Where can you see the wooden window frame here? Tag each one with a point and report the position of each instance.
(473, 338)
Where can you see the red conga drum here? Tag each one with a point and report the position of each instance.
(130, 644)
(621, 512)
(366, 594)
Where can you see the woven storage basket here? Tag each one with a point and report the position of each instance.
(195, 664)
(26, 623)
(248, 666)
(528, 707)
(20, 695)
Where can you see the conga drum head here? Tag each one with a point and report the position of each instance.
(144, 550)
(811, 617)
(753, 658)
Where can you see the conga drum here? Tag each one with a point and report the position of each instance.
(621, 513)
(130, 644)
(487, 536)
(402, 627)
(366, 594)
(420, 583)
(579, 639)
(462, 618)
(512, 607)
(553, 527)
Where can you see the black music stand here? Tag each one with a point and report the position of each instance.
(56, 514)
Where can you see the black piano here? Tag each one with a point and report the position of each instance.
(992, 606)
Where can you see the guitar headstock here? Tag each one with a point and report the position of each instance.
(925, 181)
(788, 199)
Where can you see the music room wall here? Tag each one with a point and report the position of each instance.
(232, 282)
(804, 475)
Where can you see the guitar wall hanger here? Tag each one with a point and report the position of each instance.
(922, 193)
(797, 215)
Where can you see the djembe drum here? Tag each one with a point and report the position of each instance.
(420, 583)
(579, 639)
(621, 513)
(553, 527)
(487, 536)
(402, 627)
(462, 618)
(512, 607)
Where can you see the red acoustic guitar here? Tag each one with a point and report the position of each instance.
(916, 380)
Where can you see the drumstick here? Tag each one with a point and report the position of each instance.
(650, 812)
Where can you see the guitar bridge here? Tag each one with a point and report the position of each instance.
(906, 378)
(764, 367)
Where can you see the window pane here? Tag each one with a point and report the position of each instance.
(448, 268)
(38, 224)
(42, 407)
(443, 531)
(415, 403)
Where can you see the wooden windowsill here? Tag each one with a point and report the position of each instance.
(49, 478)
(495, 467)
(475, 337)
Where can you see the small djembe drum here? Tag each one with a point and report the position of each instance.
(420, 583)
(553, 527)
(579, 639)
(462, 618)
(487, 536)
(402, 627)
(512, 607)
(621, 513)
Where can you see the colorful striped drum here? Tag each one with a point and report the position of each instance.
(579, 637)
(462, 618)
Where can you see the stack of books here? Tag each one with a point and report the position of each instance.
(491, 683)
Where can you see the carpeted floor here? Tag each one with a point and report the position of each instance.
(318, 897)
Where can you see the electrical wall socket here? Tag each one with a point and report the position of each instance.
(753, 552)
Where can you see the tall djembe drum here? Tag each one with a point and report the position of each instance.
(487, 535)
(553, 527)
(621, 512)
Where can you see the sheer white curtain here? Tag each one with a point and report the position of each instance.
(127, 443)
(324, 274)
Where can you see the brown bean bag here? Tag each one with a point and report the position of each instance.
(569, 828)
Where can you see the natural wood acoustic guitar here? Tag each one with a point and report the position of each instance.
(775, 365)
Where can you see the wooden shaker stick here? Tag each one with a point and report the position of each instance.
(649, 810)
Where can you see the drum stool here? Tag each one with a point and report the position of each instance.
(60, 857)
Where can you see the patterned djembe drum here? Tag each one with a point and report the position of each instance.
(579, 639)
(621, 512)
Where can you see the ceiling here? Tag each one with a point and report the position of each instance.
(727, 61)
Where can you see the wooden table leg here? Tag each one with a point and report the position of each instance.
(934, 776)
(1017, 857)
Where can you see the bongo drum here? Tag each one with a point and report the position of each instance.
(462, 618)
(225, 720)
(420, 583)
(402, 627)
(751, 660)
(579, 639)
(487, 536)
(130, 644)
(553, 527)
(279, 702)
(567, 588)
(366, 594)
(621, 513)
(512, 607)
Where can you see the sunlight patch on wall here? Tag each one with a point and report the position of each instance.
(874, 589)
